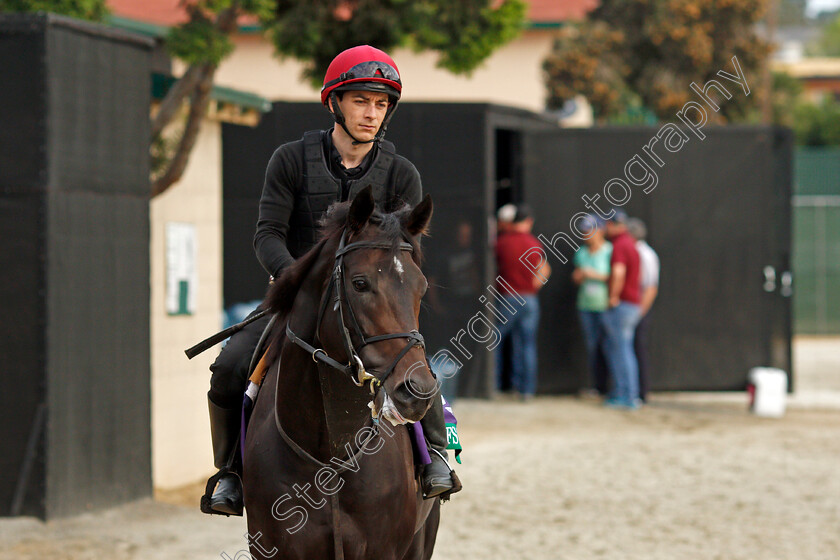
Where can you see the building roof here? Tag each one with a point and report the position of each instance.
(547, 12)
(812, 68)
(157, 12)
(167, 13)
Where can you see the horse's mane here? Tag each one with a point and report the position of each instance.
(282, 293)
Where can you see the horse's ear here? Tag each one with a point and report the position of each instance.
(360, 209)
(418, 221)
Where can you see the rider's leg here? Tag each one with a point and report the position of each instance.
(438, 477)
(224, 431)
(227, 387)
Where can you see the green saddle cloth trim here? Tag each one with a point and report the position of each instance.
(452, 440)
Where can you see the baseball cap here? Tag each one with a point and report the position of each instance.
(619, 216)
(590, 223)
(523, 212)
(506, 213)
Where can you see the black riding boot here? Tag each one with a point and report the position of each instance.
(225, 424)
(438, 477)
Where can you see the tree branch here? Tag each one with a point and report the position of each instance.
(174, 97)
(199, 100)
(197, 82)
(226, 23)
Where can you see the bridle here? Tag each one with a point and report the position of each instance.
(355, 368)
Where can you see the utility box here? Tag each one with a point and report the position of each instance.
(74, 215)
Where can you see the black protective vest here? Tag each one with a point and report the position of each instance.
(321, 188)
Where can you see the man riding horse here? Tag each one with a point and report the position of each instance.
(361, 89)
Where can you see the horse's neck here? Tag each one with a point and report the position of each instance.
(319, 407)
(299, 405)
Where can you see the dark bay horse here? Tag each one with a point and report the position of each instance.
(322, 478)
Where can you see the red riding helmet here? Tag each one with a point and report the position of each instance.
(362, 68)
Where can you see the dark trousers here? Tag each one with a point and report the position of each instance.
(600, 372)
(640, 345)
(230, 370)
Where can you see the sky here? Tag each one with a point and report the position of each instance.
(815, 6)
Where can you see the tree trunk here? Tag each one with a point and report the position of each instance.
(197, 82)
(199, 100)
(174, 97)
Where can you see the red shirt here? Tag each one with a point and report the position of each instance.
(624, 251)
(510, 247)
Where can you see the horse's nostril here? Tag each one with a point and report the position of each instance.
(419, 389)
(413, 398)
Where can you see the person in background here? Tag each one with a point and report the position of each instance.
(649, 286)
(592, 270)
(504, 217)
(520, 320)
(504, 370)
(622, 316)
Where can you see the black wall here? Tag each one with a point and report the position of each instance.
(75, 409)
(719, 215)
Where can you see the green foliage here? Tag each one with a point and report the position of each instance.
(94, 10)
(199, 40)
(829, 42)
(791, 12)
(787, 91)
(464, 33)
(651, 51)
(585, 60)
(817, 124)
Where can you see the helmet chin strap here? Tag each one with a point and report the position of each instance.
(339, 119)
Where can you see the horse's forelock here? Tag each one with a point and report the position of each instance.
(335, 218)
(282, 294)
(392, 226)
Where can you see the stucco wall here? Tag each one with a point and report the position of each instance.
(181, 451)
(511, 76)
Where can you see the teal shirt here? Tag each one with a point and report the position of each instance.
(593, 295)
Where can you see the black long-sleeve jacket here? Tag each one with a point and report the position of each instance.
(284, 202)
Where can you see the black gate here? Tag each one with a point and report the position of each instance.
(465, 153)
(719, 218)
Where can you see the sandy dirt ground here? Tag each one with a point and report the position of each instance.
(691, 476)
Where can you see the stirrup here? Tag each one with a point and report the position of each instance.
(209, 490)
(228, 497)
(440, 484)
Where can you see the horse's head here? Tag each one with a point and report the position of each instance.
(375, 302)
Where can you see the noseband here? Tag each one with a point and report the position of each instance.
(355, 369)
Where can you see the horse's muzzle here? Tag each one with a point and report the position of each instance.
(414, 397)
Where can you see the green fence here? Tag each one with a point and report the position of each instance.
(816, 241)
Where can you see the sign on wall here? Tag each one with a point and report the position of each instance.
(181, 271)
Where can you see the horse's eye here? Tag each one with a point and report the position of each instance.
(360, 284)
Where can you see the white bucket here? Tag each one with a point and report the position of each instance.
(768, 391)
